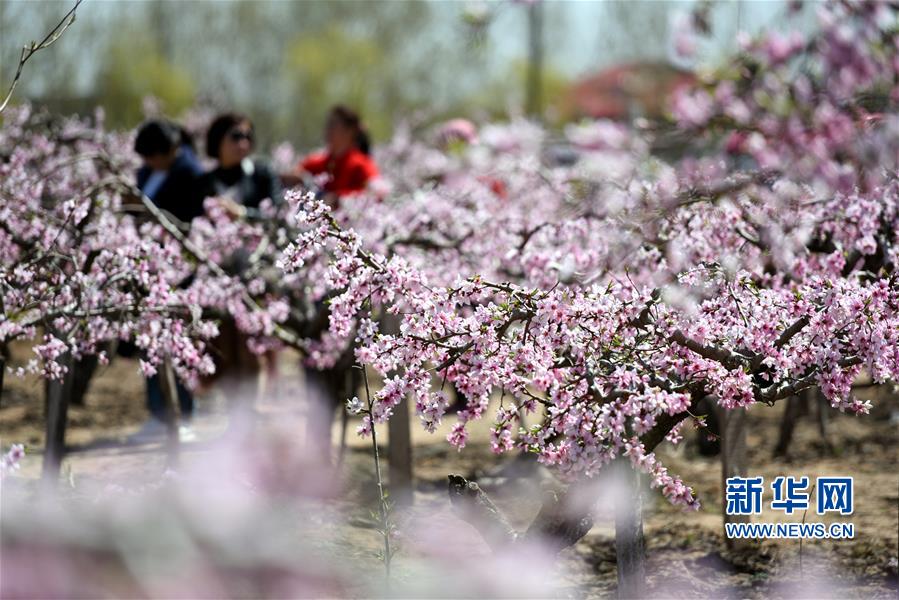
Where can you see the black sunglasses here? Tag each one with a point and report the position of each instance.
(237, 135)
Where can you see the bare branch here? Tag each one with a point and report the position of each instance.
(560, 523)
(791, 331)
(431, 244)
(475, 507)
(734, 184)
(29, 50)
(725, 357)
(665, 422)
(197, 254)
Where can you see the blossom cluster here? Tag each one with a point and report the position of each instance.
(609, 295)
(10, 461)
(79, 268)
(598, 281)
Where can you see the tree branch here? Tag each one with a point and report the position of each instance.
(474, 506)
(285, 336)
(725, 357)
(29, 50)
(791, 331)
(559, 524)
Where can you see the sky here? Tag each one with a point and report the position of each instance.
(581, 35)
(585, 35)
(245, 67)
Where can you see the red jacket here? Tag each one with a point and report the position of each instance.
(350, 173)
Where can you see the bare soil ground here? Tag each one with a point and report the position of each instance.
(687, 556)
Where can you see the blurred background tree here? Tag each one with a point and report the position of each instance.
(136, 68)
(286, 62)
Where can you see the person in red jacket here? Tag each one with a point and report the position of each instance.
(346, 160)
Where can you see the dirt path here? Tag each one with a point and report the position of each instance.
(686, 555)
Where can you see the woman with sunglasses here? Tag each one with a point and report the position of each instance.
(241, 183)
(238, 179)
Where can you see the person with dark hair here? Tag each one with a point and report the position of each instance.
(346, 159)
(171, 171)
(170, 178)
(241, 181)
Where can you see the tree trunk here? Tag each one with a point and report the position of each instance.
(733, 461)
(170, 397)
(2, 372)
(563, 520)
(354, 380)
(823, 406)
(323, 392)
(534, 92)
(629, 547)
(796, 407)
(399, 455)
(82, 373)
(58, 393)
(709, 438)
(399, 449)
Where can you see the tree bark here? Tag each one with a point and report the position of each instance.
(734, 462)
(629, 544)
(534, 92)
(562, 524)
(399, 455)
(2, 372)
(474, 506)
(796, 407)
(325, 390)
(170, 397)
(558, 524)
(354, 379)
(82, 373)
(58, 392)
(399, 448)
(709, 438)
(823, 406)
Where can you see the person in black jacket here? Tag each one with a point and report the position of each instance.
(170, 177)
(171, 173)
(241, 181)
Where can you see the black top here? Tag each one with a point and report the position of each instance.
(180, 193)
(248, 183)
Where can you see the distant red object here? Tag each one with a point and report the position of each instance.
(628, 91)
(350, 173)
(497, 186)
